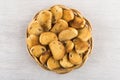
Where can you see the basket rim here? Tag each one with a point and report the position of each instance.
(65, 70)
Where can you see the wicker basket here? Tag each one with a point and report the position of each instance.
(62, 70)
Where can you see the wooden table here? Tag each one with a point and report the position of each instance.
(103, 64)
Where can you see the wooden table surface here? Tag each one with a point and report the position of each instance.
(103, 64)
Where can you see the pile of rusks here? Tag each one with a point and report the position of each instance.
(59, 39)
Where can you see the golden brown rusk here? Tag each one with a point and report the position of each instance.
(59, 39)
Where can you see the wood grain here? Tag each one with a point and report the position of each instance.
(104, 62)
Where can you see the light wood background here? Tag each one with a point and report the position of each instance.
(103, 64)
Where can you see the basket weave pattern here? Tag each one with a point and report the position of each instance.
(61, 69)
